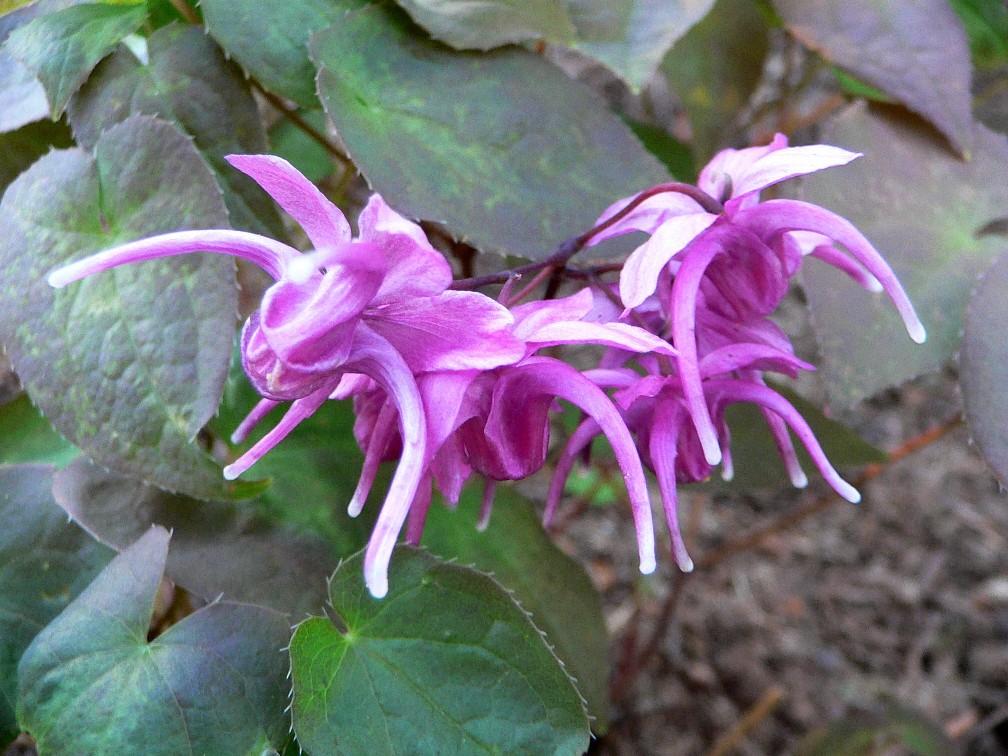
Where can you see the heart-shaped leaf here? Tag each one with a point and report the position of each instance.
(186, 81)
(90, 682)
(914, 50)
(447, 662)
(45, 562)
(129, 364)
(217, 549)
(506, 150)
(983, 362)
(61, 48)
(922, 208)
(632, 36)
(550, 585)
(22, 147)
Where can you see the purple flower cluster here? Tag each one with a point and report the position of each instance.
(452, 382)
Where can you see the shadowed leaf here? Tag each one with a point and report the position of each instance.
(214, 683)
(491, 23)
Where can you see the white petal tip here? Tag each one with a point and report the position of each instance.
(482, 525)
(300, 269)
(917, 332)
(355, 507)
(874, 285)
(58, 278)
(850, 493)
(712, 454)
(727, 474)
(378, 587)
(236, 437)
(647, 566)
(686, 564)
(230, 473)
(799, 479)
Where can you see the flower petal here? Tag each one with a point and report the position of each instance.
(648, 216)
(322, 221)
(639, 277)
(665, 429)
(455, 330)
(783, 164)
(615, 335)
(270, 255)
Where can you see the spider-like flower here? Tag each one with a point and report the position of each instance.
(377, 306)
(723, 245)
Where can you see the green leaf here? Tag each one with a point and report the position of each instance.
(714, 69)
(503, 148)
(269, 39)
(983, 362)
(22, 147)
(632, 36)
(550, 585)
(914, 50)
(674, 155)
(291, 143)
(92, 683)
(28, 437)
(986, 24)
(491, 23)
(217, 549)
(922, 208)
(186, 81)
(45, 562)
(61, 48)
(447, 662)
(129, 364)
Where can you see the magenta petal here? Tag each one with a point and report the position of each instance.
(418, 512)
(733, 357)
(300, 410)
(665, 429)
(719, 175)
(516, 439)
(375, 357)
(578, 441)
(322, 221)
(258, 413)
(530, 317)
(374, 454)
(486, 508)
(615, 335)
(456, 330)
(272, 256)
(774, 217)
(639, 278)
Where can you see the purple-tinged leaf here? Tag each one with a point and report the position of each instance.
(632, 36)
(983, 364)
(446, 662)
(186, 81)
(922, 208)
(61, 48)
(913, 50)
(491, 23)
(91, 682)
(45, 562)
(503, 148)
(22, 95)
(128, 365)
(217, 549)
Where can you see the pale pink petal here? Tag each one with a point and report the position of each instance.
(742, 355)
(258, 413)
(270, 255)
(639, 277)
(486, 508)
(374, 454)
(530, 317)
(615, 335)
(719, 175)
(322, 221)
(647, 216)
(787, 163)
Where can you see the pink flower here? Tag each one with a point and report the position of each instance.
(375, 306)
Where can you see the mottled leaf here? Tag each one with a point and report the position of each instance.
(447, 662)
(714, 69)
(983, 362)
(91, 682)
(632, 36)
(22, 147)
(217, 549)
(61, 48)
(914, 50)
(550, 585)
(921, 207)
(186, 81)
(503, 148)
(491, 23)
(26, 436)
(129, 364)
(269, 39)
(45, 562)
